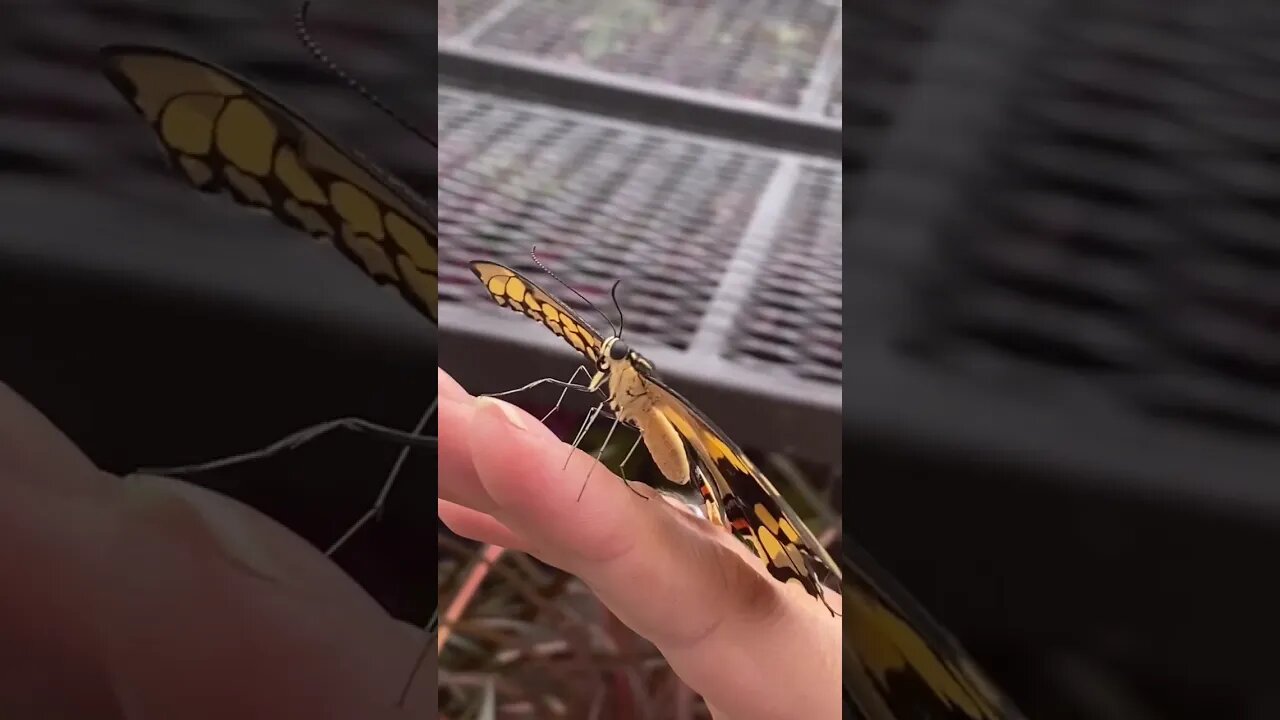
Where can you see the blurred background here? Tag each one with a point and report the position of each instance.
(1061, 353)
(690, 150)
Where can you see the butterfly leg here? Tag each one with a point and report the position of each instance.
(622, 465)
(582, 431)
(565, 391)
(379, 504)
(599, 453)
(553, 381)
(302, 437)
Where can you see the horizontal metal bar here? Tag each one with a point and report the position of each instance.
(639, 99)
(488, 353)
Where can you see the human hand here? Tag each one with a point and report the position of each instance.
(755, 649)
(151, 599)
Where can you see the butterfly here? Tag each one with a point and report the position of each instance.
(683, 442)
(899, 662)
(225, 135)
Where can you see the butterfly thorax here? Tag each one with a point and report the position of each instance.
(624, 373)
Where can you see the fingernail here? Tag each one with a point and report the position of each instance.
(448, 387)
(510, 413)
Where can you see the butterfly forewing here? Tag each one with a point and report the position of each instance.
(512, 290)
(225, 135)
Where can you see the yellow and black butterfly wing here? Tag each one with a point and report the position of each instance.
(750, 504)
(510, 289)
(224, 135)
(899, 662)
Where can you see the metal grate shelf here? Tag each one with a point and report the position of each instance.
(1127, 227)
(793, 315)
(662, 213)
(705, 234)
(762, 50)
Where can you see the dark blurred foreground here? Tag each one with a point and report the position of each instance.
(1060, 380)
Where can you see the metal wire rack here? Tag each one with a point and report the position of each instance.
(688, 223)
(763, 50)
(1122, 240)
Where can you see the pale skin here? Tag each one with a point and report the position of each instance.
(147, 598)
(752, 647)
(150, 599)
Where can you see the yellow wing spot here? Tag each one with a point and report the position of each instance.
(423, 285)
(516, 289)
(496, 288)
(198, 172)
(553, 315)
(682, 424)
(330, 158)
(887, 644)
(766, 518)
(187, 123)
(297, 180)
(309, 217)
(720, 450)
(371, 254)
(249, 187)
(245, 135)
(357, 208)
(411, 241)
(789, 530)
(168, 77)
(777, 555)
(797, 558)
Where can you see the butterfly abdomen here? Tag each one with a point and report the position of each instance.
(665, 446)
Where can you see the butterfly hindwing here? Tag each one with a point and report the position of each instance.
(510, 289)
(224, 135)
(899, 661)
(751, 506)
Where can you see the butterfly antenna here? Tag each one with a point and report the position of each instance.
(622, 319)
(534, 254)
(304, 35)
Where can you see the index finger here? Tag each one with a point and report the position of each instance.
(732, 629)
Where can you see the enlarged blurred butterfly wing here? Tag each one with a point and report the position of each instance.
(899, 662)
(510, 289)
(223, 134)
(734, 487)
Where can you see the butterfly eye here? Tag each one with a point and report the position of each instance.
(618, 350)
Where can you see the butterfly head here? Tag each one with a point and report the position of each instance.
(615, 351)
(616, 356)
